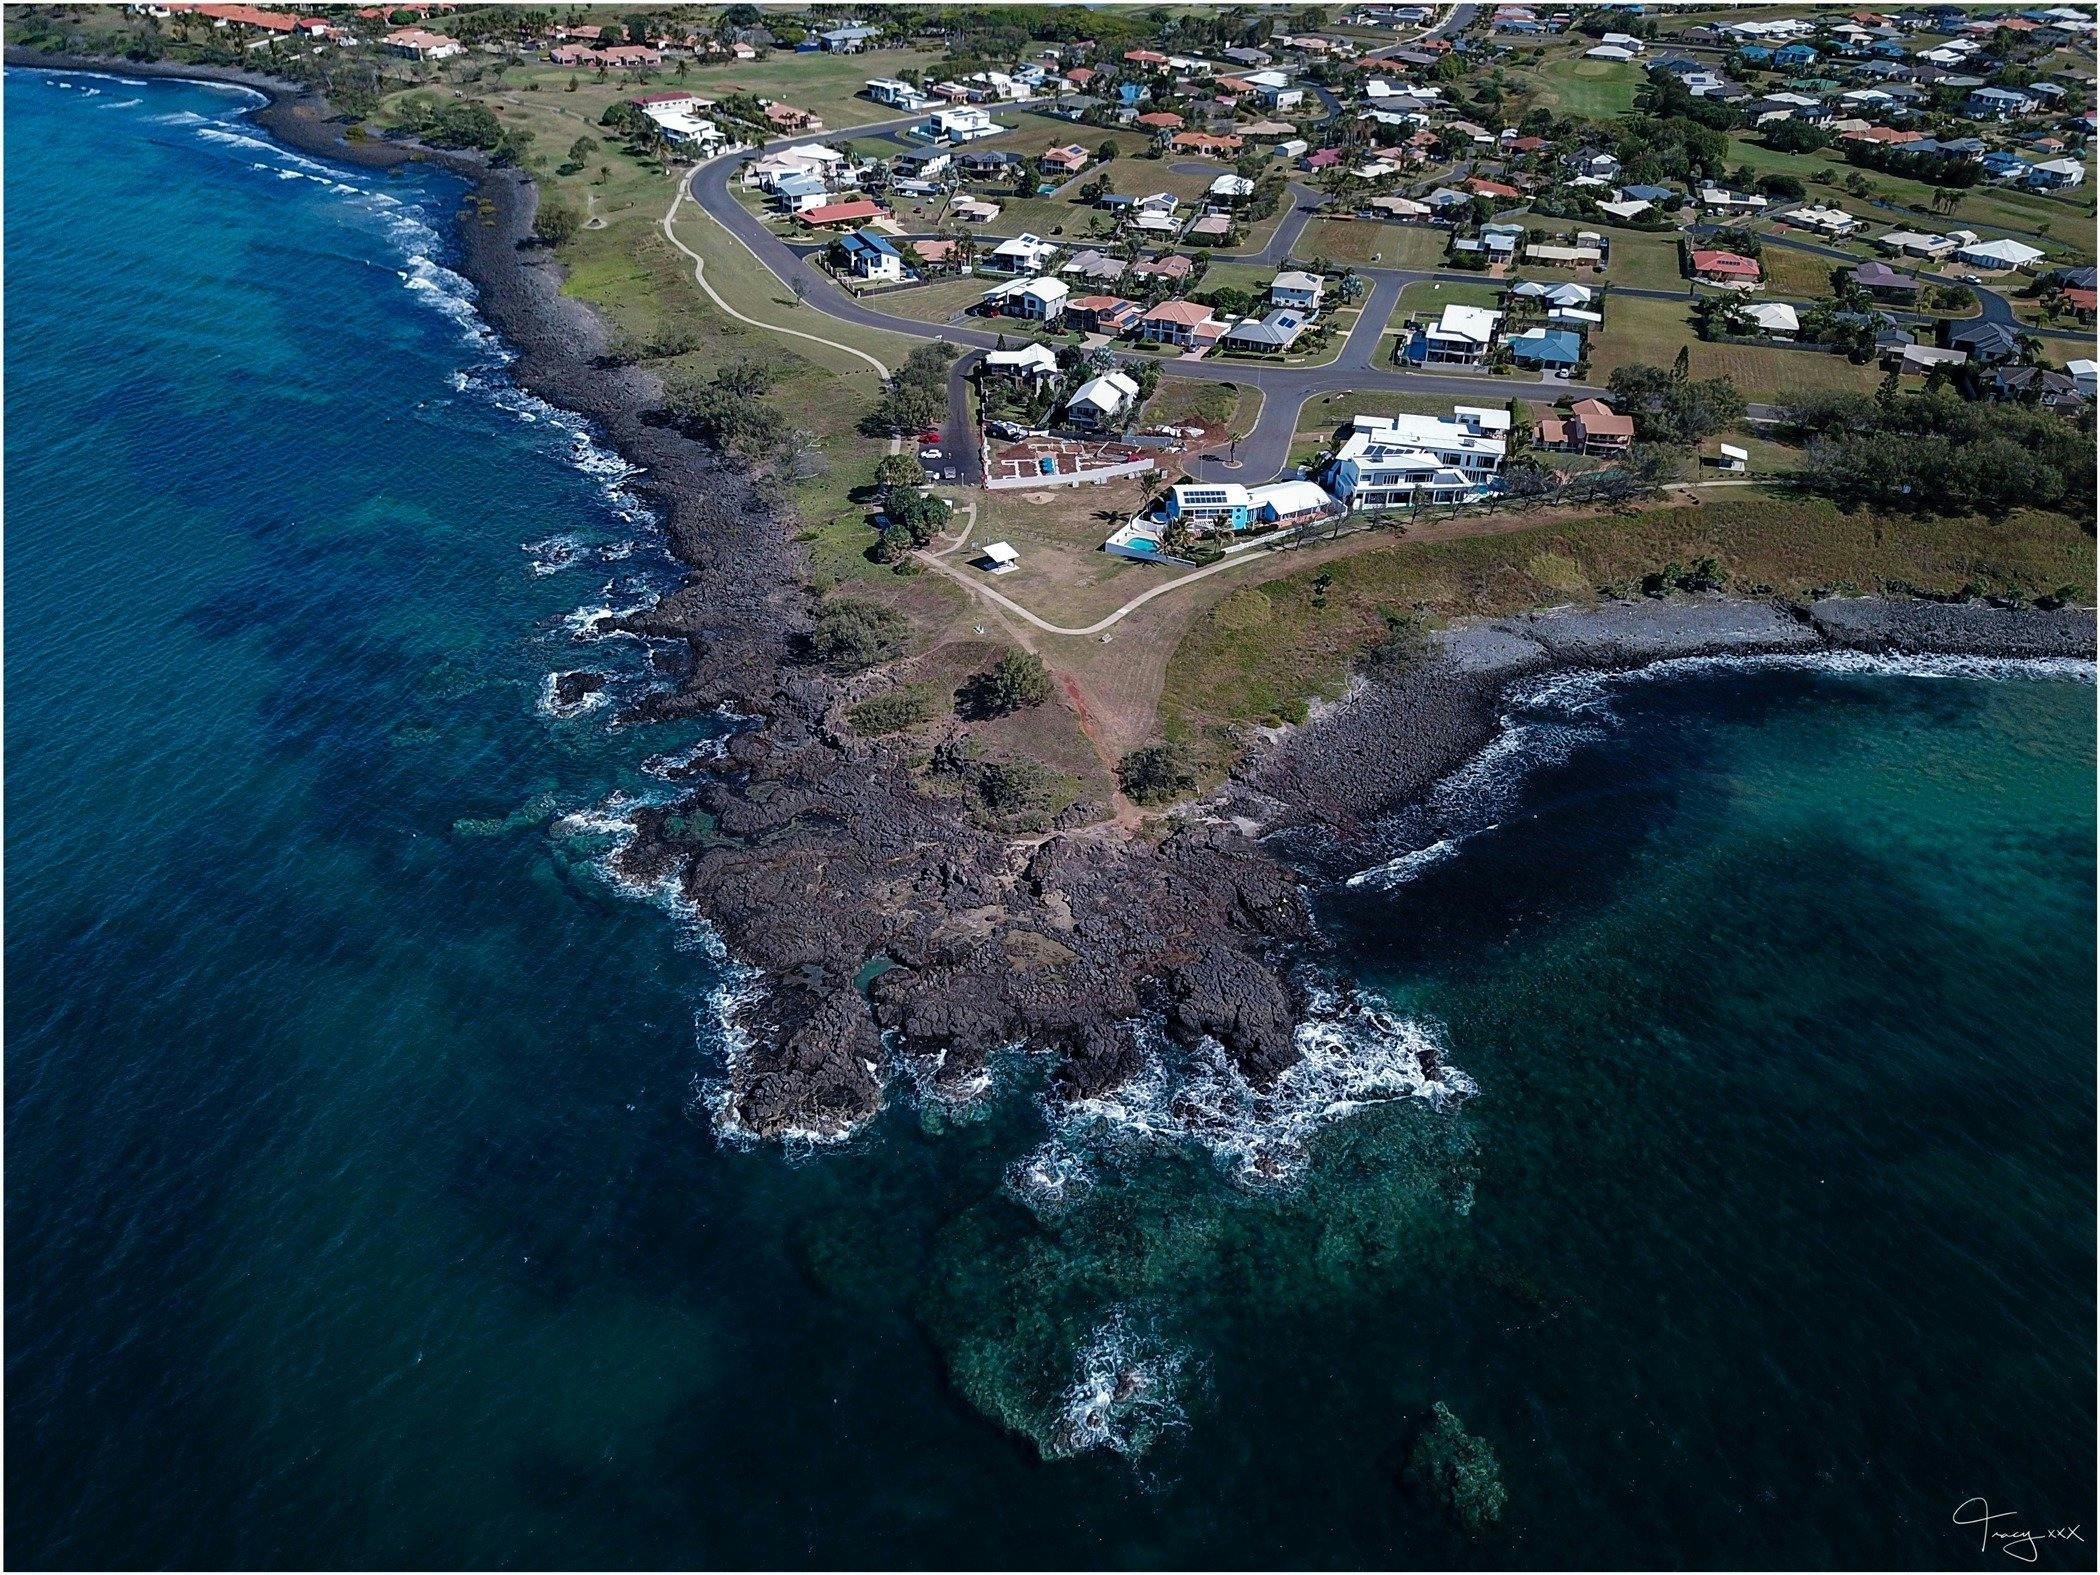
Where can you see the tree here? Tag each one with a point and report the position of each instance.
(851, 633)
(556, 224)
(1156, 774)
(1018, 680)
(898, 470)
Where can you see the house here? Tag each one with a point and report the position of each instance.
(1288, 502)
(1774, 319)
(1024, 253)
(1300, 291)
(1231, 189)
(898, 95)
(1183, 323)
(1161, 121)
(1067, 160)
(1729, 268)
(1461, 336)
(850, 39)
(1910, 243)
(1204, 145)
(1095, 267)
(986, 164)
(415, 43)
(1591, 427)
(1100, 403)
(1104, 314)
(2085, 374)
(789, 118)
(2056, 175)
(1039, 300)
(2000, 255)
(924, 163)
(1883, 282)
(1923, 358)
(837, 214)
(1209, 505)
(800, 193)
(959, 123)
(1997, 103)
(1824, 221)
(1718, 199)
(1269, 335)
(2032, 385)
(870, 256)
(1987, 344)
(1172, 267)
(1398, 209)
(1394, 463)
(1546, 347)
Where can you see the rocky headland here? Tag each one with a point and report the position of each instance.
(816, 857)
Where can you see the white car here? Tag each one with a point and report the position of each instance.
(929, 453)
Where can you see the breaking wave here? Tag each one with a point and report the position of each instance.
(1126, 1391)
(1354, 1052)
(1050, 1179)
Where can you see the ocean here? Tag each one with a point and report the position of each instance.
(364, 1206)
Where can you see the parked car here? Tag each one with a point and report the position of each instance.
(929, 454)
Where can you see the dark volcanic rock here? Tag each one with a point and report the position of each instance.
(572, 688)
(1102, 1058)
(1239, 1002)
(819, 1073)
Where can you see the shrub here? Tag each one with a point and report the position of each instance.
(851, 633)
(1156, 774)
(1017, 681)
(892, 712)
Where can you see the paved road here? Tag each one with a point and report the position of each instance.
(1284, 389)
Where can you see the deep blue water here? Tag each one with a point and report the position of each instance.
(362, 1204)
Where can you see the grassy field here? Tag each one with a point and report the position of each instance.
(1587, 89)
(1365, 241)
(1639, 329)
(2064, 222)
(1264, 650)
(1642, 259)
(1795, 275)
(826, 85)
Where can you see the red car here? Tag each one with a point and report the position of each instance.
(930, 435)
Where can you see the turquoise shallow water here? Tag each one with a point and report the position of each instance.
(362, 1207)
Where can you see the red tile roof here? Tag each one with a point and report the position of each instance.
(855, 212)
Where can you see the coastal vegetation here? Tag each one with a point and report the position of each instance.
(1262, 653)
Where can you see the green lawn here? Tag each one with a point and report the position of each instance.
(1367, 241)
(1651, 332)
(828, 86)
(1642, 259)
(1587, 89)
(1265, 649)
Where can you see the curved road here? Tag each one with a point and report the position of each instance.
(1262, 453)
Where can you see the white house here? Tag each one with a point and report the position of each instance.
(1774, 319)
(960, 123)
(1293, 288)
(1394, 463)
(1824, 221)
(2057, 174)
(2086, 374)
(1720, 200)
(2000, 255)
(1040, 300)
(1462, 335)
(1101, 402)
(1030, 363)
(899, 95)
(1024, 253)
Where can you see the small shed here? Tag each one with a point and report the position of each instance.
(1733, 458)
(1002, 557)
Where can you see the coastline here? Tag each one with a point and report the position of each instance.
(823, 856)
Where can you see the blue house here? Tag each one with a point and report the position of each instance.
(871, 256)
(1756, 54)
(1547, 347)
(1790, 55)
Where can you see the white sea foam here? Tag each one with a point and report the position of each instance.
(1050, 1178)
(554, 553)
(1126, 1390)
(1353, 1052)
(551, 705)
(1407, 866)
